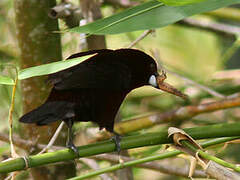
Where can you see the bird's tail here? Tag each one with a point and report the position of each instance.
(49, 112)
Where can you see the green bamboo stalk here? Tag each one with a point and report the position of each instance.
(212, 131)
(149, 159)
(219, 161)
(127, 164)
(210, 157)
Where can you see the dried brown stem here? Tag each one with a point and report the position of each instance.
(220, 172)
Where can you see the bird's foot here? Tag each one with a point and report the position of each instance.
(117, 139)
(72, 147)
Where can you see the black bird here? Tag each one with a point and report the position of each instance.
(94, 89)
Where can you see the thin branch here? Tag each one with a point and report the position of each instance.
(92, 164)
(141, 37)
(25, 144)
(53, 139)
(208, 25)
(161, 167)
(189, 81)
(10, 121)
(180, 114)
(200, 86)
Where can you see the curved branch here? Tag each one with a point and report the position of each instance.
(180, 114)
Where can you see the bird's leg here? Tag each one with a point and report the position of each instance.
(69, 142)
(117, 138)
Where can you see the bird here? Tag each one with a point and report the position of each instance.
(94, 89)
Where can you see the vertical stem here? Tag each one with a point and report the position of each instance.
(10, 121)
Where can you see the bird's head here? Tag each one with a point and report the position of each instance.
(145, 71)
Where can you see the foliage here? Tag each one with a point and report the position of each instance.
(196, 54)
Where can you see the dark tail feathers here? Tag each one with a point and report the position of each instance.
(49, 112)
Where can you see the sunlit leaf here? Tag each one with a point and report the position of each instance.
(149, 15)
(50, 68)
(6, 80)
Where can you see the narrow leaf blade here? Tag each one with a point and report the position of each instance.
(50, 68)
(149, 15)
(6, 80)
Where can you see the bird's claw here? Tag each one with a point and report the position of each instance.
(72, 147)
(117, 138)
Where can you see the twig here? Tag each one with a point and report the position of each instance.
(53, 139)
(142, 36)
(92, 164)
(179, 114)
(25, 144)
(189, 81)
(10, 121)
(211, 26)
(161, 167)
(200, 86)
(182, 113)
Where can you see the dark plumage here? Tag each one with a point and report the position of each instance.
(94, 89)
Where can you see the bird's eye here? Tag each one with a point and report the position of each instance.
(153, 81)
(152, 66)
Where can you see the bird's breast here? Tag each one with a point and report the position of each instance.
(96, 105)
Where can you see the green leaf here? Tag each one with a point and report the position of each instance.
(6, 80)
(179, 2)
(149, 15)
(50, 68)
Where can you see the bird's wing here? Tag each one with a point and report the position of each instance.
(99, 72)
